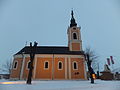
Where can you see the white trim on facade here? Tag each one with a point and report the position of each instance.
(21, 56)
(69, 61)
(71, 56)
(65, 68)
(22, 67)
(58, 56)
(44, 55)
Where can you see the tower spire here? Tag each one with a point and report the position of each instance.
(73, 23)
(72, 14)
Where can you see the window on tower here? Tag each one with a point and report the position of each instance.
(74, 36)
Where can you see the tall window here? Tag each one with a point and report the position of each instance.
(74, 36)
(46, 66)
(15, 65)
(28, 65)
(75, 65)
(60, 65)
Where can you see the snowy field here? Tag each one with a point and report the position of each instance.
(60, 85)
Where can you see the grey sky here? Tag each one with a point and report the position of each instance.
(46, 21)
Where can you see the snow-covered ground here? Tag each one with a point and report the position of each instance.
(60, 85)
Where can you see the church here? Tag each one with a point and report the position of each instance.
(54, 62)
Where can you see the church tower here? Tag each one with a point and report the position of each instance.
(74, 37)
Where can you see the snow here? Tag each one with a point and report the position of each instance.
(60, 85)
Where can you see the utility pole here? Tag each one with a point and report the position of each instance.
(32, 55)
(91, 71)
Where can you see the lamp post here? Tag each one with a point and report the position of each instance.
(32, 55)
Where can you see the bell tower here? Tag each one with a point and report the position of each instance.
(74, 37)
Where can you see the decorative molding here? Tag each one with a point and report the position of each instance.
(44, 55)
(51, 56)
(22, 66)
(71, 56)
(65, 68)
(20, 56)
(69, 61)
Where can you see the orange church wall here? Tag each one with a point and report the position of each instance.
(59, 73)
(76, 46)
(79, 73)
(15, 73)
(41, 72)
(25, 70)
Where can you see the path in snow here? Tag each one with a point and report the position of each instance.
(60, 85)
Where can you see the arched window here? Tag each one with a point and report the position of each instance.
(74, 36)
(75, 65)
(28, 65)
(46, 65)
(15, 65)
(60, 65)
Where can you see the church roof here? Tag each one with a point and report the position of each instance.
(50, 50)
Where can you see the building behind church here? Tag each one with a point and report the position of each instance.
(54, 62)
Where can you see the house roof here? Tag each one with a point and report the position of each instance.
(50, 50)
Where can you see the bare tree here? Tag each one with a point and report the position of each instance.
(6, 67)
(93, 58)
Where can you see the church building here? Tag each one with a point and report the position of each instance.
(53, 62)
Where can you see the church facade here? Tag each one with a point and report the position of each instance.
(53, 62)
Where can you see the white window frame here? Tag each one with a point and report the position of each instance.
(44, 65)
(76, 65)
(27, 65)
(14, 64)
(62, 65)
(73, 35)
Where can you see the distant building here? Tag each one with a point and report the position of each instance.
(54, 62)
(106, 74)
(4, 76)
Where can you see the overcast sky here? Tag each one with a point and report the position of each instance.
(46, 21)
